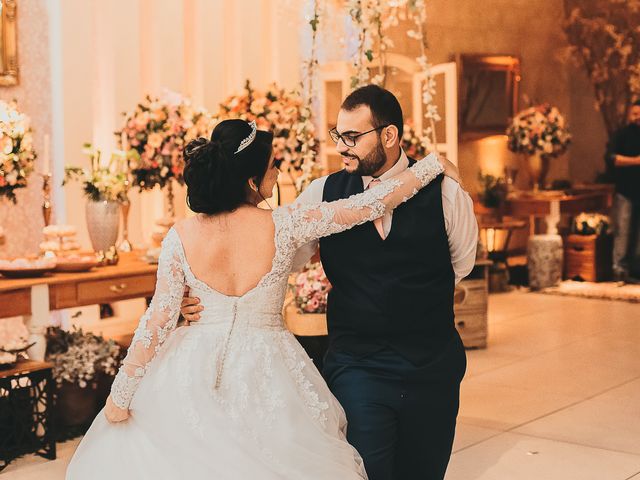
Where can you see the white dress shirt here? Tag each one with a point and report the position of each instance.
(459, 219)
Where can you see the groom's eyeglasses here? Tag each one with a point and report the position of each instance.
(350, 139)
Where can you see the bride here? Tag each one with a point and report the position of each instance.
(234, 396)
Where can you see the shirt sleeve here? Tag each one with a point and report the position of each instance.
(461, 226)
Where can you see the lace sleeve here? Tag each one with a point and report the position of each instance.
(306, 222)
(156, 323)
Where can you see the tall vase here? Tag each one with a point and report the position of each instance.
(538, 167)
(103, 219)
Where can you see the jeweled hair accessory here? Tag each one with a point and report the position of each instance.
(247, 141)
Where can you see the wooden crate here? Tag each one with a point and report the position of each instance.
(588, 257)
(470, 306)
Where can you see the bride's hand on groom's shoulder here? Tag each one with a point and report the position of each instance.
(114, 413)
(450, 170)
(191, 308)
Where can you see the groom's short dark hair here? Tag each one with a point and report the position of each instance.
(384, 106)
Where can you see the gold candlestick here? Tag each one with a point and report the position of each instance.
(125, 245)
(125, 206)
(46, 204)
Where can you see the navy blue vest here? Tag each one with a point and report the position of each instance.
(395, 293)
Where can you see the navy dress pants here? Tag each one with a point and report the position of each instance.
(401, 417)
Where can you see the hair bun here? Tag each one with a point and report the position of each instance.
(200, 150)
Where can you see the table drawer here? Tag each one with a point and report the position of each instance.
(15, 302)
(104, 291)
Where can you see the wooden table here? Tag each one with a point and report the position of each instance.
(34, 298)
(551, 204)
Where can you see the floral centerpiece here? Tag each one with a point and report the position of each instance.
(540, 133)
(311, 288)
(415, 146)
(100, 182)
(285, 114)
(105, 186)
(155, 134)
(591, 224)
(17, 155)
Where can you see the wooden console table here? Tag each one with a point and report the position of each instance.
(552, 204)
(34, 298)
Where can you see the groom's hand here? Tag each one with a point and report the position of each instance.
(191, 308)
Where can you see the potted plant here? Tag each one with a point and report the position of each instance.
(493, 192)
(83, 363)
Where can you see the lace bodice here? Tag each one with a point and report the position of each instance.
(261, 306)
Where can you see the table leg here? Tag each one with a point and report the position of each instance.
(38, 321)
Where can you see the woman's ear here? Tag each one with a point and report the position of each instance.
(252, 185)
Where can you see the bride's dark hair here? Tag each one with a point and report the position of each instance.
(217, 177)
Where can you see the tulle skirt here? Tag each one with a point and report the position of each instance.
(270, 417)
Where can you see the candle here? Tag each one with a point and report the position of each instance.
(124, 144)
(45, 157)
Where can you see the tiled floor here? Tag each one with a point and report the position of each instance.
(556, 396)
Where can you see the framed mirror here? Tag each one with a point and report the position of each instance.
(488, 93)
(8, 43)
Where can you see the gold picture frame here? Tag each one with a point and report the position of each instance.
(9, 43)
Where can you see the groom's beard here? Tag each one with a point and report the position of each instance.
(370, 163)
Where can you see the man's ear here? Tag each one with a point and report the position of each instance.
(390, 136)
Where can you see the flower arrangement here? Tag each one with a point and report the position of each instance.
(539, 129)
(101, 182)
(17, 155)
(286, 115)
(154, 135)
(591, 224)
(311, 288)
(414, 145)
(78, 357)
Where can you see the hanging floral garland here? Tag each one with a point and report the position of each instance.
(305, 164)
(417, 12)
(373, 17)
(364, 55)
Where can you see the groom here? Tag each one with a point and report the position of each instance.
(395, 360)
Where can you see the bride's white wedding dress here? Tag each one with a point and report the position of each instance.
(233, 396)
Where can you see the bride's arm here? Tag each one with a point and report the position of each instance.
(309, 222)
(156, 323)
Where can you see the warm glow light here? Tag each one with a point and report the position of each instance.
(492, 153)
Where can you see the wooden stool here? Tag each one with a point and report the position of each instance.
(26, 402)
(470, 305)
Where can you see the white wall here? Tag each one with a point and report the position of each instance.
(115, 52)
